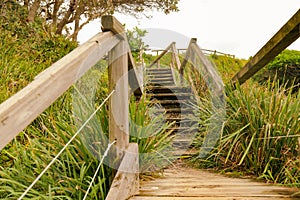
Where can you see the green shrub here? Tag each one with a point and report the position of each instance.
(285, 68)
(227, 66)
(26, 49)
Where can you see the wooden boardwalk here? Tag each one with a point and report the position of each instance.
(184, 183)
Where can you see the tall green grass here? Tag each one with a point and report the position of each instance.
(260, 134)
(25, 157)
(69, 176)
(149, 130)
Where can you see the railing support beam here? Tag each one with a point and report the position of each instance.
(289, 33)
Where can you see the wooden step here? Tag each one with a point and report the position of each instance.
(154, 80)
(174, 103)
(189, 123)
(175, 110)
(165, 83)
(182, 94)
(159, 72)
(157, 69)
(181, 182)
(158, 75)
(182, 143)
(184, 130)
(164, 89)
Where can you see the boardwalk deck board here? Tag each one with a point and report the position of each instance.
(189, 184)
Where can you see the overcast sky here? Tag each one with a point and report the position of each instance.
(239, 27)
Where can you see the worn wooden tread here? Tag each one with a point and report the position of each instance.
(158, 69)
(185, 183)
(169, 94)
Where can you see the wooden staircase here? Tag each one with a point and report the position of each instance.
(177, 103)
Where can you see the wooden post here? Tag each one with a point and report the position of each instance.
(289, 33)
(126, 181)
(118, 81)
(17, 112)
(118, 104)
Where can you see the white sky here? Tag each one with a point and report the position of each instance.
(239, 27)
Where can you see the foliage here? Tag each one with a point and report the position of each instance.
(285, 58)
(58, 15)
(25, 50)
(150, 132)
(260, 134)
(137, 46)
(24, 158)
(227, 66)
(35, 147)
(285, 68)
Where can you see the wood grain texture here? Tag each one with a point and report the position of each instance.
(119, 101)
(136, 82)
(110, 23)
(161, 55)
(188, 184)
(126, 181)
(289, 33)
(21, 109)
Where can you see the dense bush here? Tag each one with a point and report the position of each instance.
(260, 134)
(285, 68)
(26, 49)
(227, 66)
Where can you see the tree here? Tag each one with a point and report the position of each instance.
(60, 13)
(137, 46)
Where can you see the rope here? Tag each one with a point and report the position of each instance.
(62, 150)
(98, 168)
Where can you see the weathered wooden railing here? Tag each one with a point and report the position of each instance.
(200, 67)
(205, 51)
(20, 110)
(289, 33)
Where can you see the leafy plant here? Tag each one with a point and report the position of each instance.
(150, 132)
(285, 68)
(260, 134)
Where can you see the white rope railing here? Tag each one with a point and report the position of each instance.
(66, 145)
(98, 168)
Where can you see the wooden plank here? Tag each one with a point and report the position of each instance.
(215, 83)
(187, 55)
(126, 181)
(119, 101)
(289, 33)
(161, 55)
(110, 23)
(177, 60)
(21, 109)
(188, 183)
(135, 76)
(205, 198)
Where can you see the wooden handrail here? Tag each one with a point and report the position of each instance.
(162, 54)
(216, 85)
(187, 56)
(175, 56)
(21, 109)
(289, 33)
(203, 50)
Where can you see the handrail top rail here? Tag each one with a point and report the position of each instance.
(17, 112)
